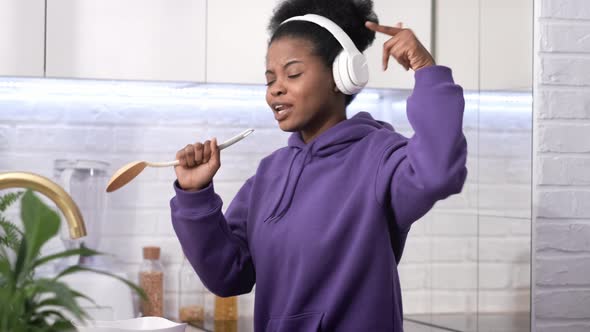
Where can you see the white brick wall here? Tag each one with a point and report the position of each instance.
(561, 195)
(470, 253)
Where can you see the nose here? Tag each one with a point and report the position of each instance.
(277, 89)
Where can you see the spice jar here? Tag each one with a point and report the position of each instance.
(151, 279)
(191, 306)
(201, 308)
(226, 314)
(221, 313)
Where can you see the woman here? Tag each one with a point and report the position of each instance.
(321, 226)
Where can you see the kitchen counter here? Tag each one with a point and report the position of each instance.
(408, 327)
(482, 322)
(502, 322)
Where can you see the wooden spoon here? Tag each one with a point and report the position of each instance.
(128, 172)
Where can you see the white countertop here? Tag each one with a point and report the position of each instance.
(245, 324)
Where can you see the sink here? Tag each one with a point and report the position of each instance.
(155, 324)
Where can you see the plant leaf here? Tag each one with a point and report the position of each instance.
(43, 315)
(60, 324)
(54, 301)
(61, 292)
(5, 270)
(12, 311)
(63, 325)
(7, 199)
(70, 270)
(11, 235)
(80, 295)
(77, 268)
(83, 251)
(40, 223)
(20, 265)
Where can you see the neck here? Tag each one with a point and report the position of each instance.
(310, 134)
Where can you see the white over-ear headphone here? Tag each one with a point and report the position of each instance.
(350, 70)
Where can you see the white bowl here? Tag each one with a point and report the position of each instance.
(156, 324)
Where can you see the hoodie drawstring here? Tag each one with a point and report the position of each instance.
(290, 185)
(332, 141)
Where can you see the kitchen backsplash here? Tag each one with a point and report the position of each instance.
(472, 252)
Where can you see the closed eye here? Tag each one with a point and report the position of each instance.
(269, 83)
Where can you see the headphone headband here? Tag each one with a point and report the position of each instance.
(333, 28)
(349, 68)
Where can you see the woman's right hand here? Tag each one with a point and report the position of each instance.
(198, 164)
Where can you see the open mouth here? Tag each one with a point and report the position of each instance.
(281, 110)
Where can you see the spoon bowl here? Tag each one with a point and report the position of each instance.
(128, 172)
(125, 174)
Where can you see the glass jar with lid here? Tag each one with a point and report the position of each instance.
(151, 280)
(191, 300)
(201, 308)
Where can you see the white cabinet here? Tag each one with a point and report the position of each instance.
(488, 48)
(225, 41)
(456, 39)
(127, 39)
(415, 15)
(506, 45)
(22, 37)
(237, 40)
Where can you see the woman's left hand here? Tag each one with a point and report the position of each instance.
(403, 46)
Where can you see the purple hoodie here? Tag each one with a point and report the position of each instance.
(320, 228)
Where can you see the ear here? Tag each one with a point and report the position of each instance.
(335, 87)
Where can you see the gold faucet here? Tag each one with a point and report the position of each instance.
(50, 189)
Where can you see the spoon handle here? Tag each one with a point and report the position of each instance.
(235, 139)
(221, 146)
(163, 163)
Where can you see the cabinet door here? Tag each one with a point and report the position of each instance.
(506, 44)
(488, 47)
(415, 15)
(456, 26)
(237, 38)
(22, 29)
(127, 39)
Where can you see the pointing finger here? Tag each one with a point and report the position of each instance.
(391, 31)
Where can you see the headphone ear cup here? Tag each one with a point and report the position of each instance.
(345, 73)
(340, 69)
(337, 75)
(358, 70)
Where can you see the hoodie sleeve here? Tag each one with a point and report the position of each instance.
(214, 244)
(415, 173)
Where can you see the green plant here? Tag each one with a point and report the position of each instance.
(11, 232)
(28, 302)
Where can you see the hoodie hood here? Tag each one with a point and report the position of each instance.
(333, 140)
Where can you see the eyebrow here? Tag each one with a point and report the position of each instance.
(292, 62)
